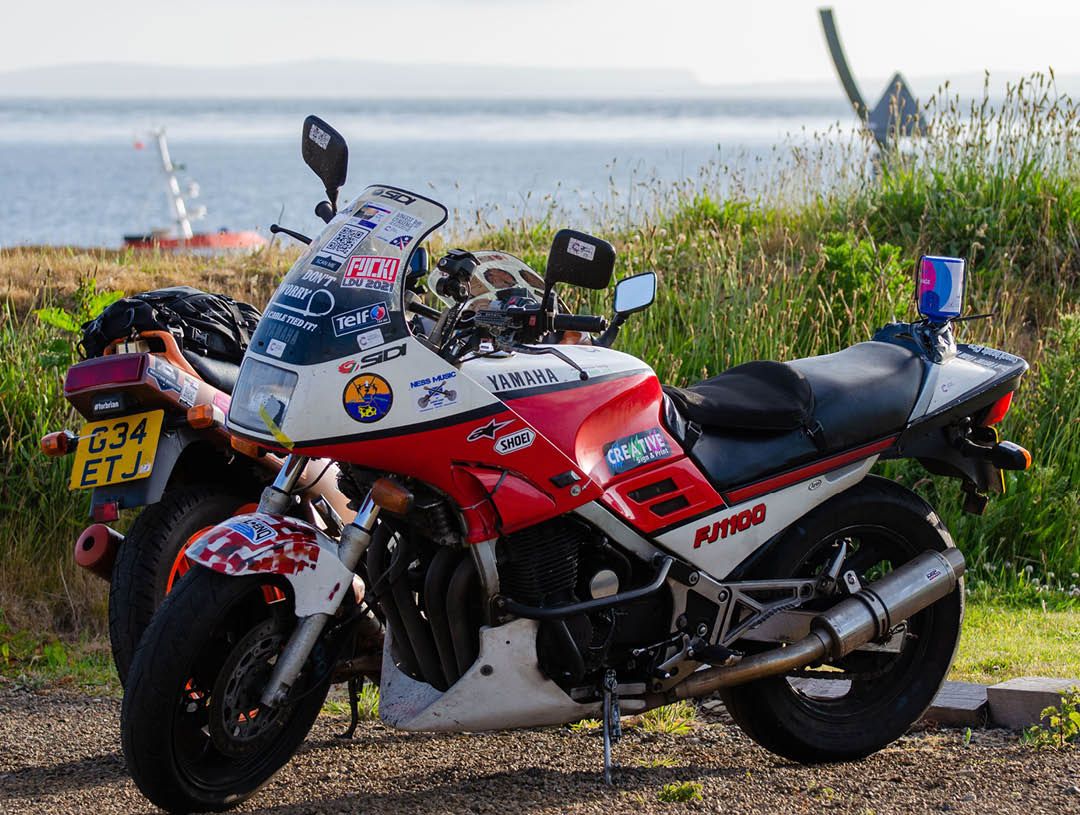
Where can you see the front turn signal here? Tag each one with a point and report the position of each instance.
(391, 496)
(201, 417)
(248, 448)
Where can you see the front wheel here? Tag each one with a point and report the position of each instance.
(194, 733)
(857, 705)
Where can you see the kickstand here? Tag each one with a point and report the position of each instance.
(354, 707)
(612, 723)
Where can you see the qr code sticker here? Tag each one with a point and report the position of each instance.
(346, 240)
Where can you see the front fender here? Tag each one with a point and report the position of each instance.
(258, 543)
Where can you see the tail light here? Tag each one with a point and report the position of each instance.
(997, 410)
(111, 370)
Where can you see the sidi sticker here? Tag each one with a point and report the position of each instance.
(367, 398)
(625, 454)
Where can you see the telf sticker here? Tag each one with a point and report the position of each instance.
(361, 319)
(625, 454)
(371, 272)
(367, 398)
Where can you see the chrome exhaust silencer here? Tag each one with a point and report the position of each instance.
(867, 615)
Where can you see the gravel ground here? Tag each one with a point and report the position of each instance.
(60, 753)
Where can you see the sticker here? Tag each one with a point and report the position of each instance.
(275, 348)
(375, 358)
(396, 195)
(400, 230)
(634, 451)
(370, 339)
(346, 240)
(319, 136)
(514, 441)
(325, 262)
(165, 376)
(291, 319)
(371, 272)
(109, 403)
(435, 391)
(581, 249)
(523, 379)
(367, 398)
(316, 302)
(371, 215)
(222, 401)
(347, 367)
(487, 431)
(360, 319)
(189, 393)
(732, 525)
(253, 529)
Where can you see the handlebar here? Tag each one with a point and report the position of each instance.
(578, 322)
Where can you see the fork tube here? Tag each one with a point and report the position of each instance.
(277, 498)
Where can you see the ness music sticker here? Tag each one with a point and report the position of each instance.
(624, 454)
(367, 398)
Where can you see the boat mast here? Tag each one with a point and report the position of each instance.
(176, 200)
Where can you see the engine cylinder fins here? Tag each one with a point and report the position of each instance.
(865, 616)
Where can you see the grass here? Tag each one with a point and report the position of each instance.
(817, 257)
(680, 792)
(1001, 643)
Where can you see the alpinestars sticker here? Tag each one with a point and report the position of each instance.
(487, 431)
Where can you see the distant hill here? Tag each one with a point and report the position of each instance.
(368, 80)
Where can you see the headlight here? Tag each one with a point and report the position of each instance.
(261, 386)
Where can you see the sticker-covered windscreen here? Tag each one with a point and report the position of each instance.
(346, 291)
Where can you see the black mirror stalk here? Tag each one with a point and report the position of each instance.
(275, 228)
(606, 339)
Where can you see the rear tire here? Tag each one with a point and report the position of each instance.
(145, 560)
(886, 524)
(193, 733)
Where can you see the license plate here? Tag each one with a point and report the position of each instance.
(116, 451)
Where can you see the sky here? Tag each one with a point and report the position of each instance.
(722, 42)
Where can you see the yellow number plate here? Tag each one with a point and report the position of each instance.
(116, 451)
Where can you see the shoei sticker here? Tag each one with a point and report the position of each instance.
(367, 398)
(634, 451)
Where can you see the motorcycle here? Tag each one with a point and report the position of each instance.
(562, 537)
(155, 439)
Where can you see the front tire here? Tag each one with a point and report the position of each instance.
(870, 699)
(194, 734)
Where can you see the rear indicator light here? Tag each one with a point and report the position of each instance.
(201, 417)
(111, 370)
(998, 410)
(59, 443)
(104, 513)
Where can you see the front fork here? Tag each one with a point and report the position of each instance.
(277, 499)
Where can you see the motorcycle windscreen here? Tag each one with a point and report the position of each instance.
(346, 292)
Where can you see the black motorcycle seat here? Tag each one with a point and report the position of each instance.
(855, 396)
(218, 372)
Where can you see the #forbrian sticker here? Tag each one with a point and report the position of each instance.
(625, 454)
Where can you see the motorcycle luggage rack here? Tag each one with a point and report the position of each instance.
(510, 606)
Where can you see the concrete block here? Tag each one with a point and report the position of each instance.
(959, 704)
(1017, 703)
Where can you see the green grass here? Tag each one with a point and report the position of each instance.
(680, 792)
(1002, 643)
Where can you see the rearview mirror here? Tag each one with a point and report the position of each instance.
(580, 260)
(633, 294)
(326, 153)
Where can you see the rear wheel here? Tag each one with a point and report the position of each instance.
(194, 733)
(855, 706)
(151, 559)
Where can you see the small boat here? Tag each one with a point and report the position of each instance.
(180, 236)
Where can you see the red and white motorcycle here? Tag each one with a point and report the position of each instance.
(545, 533)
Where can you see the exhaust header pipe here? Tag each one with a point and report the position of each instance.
(867, 615)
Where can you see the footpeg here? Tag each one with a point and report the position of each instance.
(714, 655)
(612, 723)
